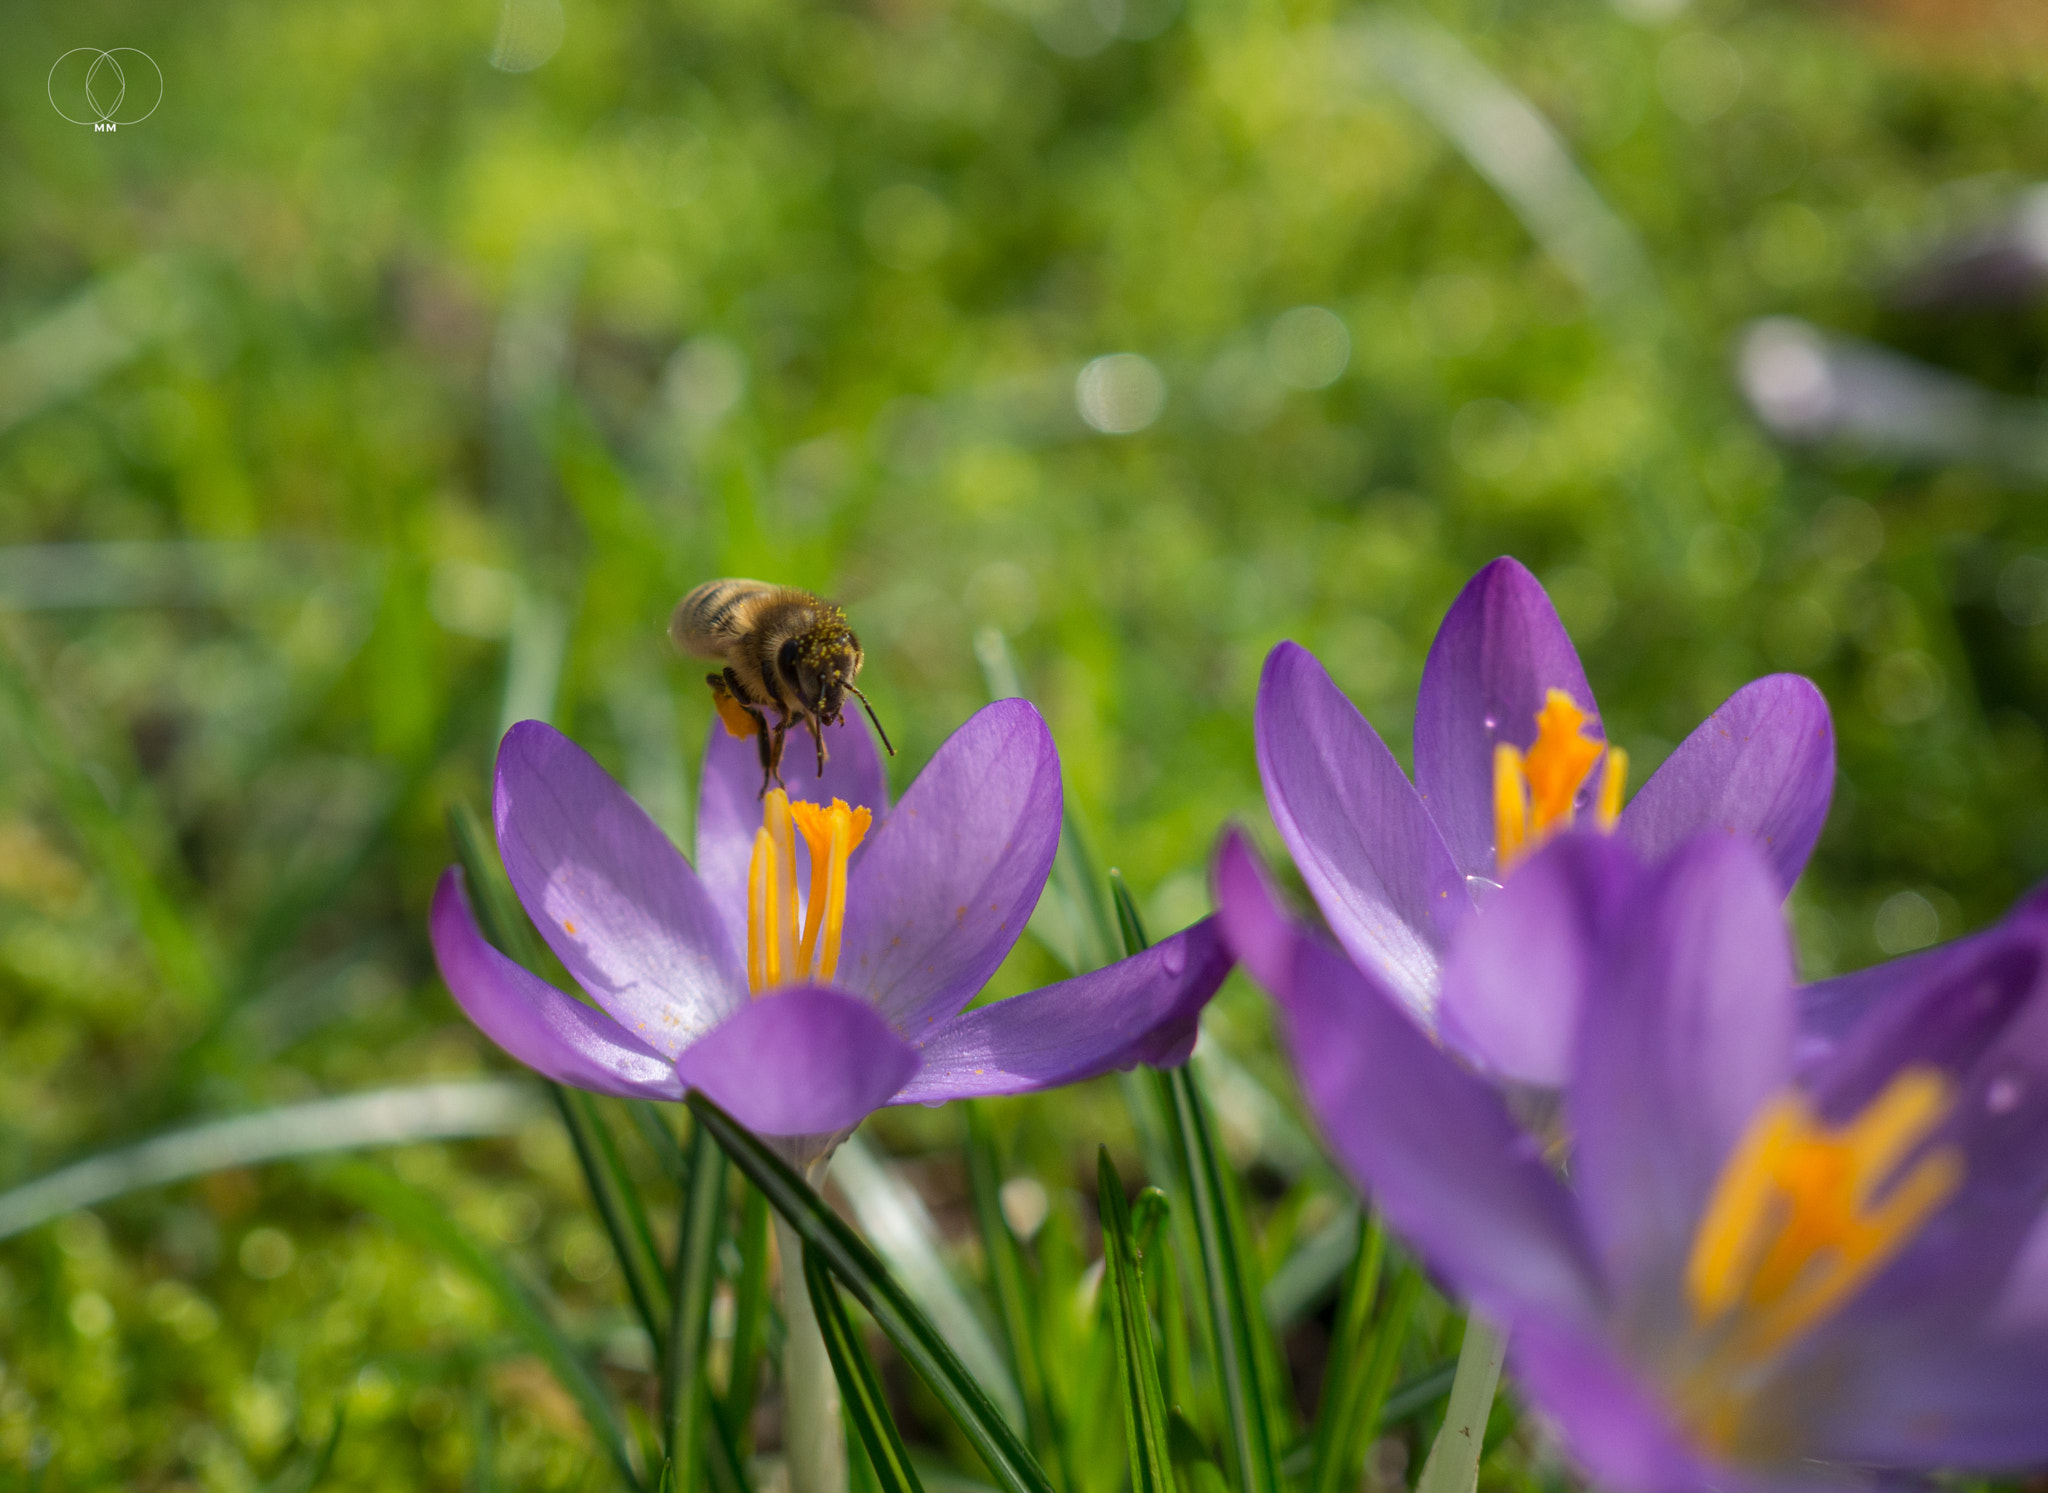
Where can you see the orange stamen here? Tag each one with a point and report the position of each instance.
(832, 833)
(777, 953)
(772, 899)
(1510, 805)
(1535, 793)
(1803, 1215)
(1613, 783)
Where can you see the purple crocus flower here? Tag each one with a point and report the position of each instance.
(1768, 1267)
(708, 978)
(1509, 751)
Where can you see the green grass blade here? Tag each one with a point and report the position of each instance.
(661, 1140)
(423, 1218)
(1073, 884)
(1234, 1317)
(686, 1398)
(1129, 926)
(860, 1388)
(896, 1223)
(398, 1116)
(175, 945)
(1009, 1279)
(1453, 1462)
(1007, 1458)
(490, 894)
(1349, 1364)
(305, 1473)
(1145, 1422)
(618, 1205)
(611, 1186)
(1232, 1311)
(1413, 1396)
(1373, 1397)
(749, 1318)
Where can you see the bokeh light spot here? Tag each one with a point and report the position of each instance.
(1120, 393)
(1309, 347)
(1906, 921)
(266, 1253)
(2023, 591)
(529, 33)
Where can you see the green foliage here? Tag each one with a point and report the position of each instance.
(855, 1265)
(371, 395)
(1130, 1323)
(866, 1405)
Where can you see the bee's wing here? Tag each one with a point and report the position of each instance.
(708, 619)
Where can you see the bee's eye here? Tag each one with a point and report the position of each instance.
(786, 658)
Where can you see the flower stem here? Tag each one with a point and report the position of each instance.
(1453, 1463)
(813, 1435)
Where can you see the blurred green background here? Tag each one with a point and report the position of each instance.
(393, 378)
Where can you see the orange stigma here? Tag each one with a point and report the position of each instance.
(1803, 1215)
(786, 945)
(1535, 793)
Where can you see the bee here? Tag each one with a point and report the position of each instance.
(783, 649)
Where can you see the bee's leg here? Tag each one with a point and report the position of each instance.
(772, 753)
(818, 736)
(761, 744)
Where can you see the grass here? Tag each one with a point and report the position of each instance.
(376, 396)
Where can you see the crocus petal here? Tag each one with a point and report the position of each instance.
(1762, 765)
(1500, 649)
(948, 880)
(1830, 1009)
(729, 802)
(1434, 1146)
(615, 900)
(1258, 930)
(1983, 1022)
(808, 1060)
(1365, 844)
(1516, 977)
(1138, 1010)
(1612, 1424)
(1684, 1033)
(550, 1032)
(1925, 1399)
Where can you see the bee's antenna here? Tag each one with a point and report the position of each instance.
(871, 716)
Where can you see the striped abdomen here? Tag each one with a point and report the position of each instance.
(714, 614)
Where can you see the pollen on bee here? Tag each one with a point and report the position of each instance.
(739, 721)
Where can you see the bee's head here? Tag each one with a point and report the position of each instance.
(827, 661)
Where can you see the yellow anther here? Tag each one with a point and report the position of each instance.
(1804, 1214)
(832, 833)
(1613, 784)
(772, 899)
(1535, 793)
(1510, 805)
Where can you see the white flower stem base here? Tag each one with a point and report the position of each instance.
(813, 1433)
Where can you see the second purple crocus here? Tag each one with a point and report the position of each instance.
(1787, 1251)
(1509, 751)
(803, 990)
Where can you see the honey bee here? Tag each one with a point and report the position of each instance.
(782, 648)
